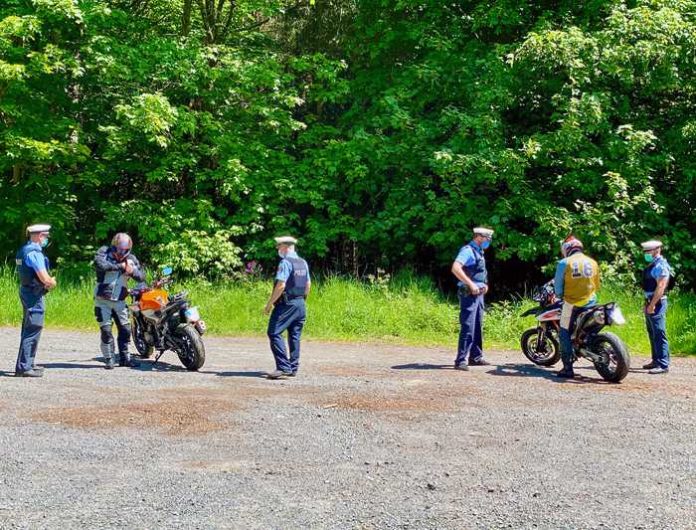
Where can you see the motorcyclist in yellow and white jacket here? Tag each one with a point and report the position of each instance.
(576, 282)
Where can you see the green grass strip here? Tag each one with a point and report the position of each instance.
(406, 310)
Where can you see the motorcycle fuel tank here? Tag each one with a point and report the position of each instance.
(154, 300)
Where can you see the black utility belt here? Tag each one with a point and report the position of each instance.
(32, 285)
(465, 290)
(287, 298)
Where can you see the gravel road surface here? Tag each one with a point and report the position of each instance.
(367, 436)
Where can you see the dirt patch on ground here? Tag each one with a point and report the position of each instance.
(174, 417)
(176, 411)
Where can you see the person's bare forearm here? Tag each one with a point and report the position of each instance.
(278, 291)
(308, 288)
(659, 292)
(459, 273)
(46, 280)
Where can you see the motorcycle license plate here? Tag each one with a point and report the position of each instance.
(617, 316)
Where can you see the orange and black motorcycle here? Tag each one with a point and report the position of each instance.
(162, 322)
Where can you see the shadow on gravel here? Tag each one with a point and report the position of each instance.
(527, 370)
(71, 365)
(422, 366)
(159, 366)
(238, 374)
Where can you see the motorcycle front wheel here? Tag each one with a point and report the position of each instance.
(144, 349)
(190, 349)
(614, 360)
(542, 351)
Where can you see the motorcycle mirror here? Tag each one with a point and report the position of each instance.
(166, 271)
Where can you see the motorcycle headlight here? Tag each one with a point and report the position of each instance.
(192, 314)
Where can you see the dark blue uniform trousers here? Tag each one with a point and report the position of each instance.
(471, 332)
(657, 331)
(290, 316)
(32, 325)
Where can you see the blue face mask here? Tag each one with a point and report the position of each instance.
(485, 244)
(649, 258)
(44, 242)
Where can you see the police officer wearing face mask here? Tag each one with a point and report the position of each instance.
(35, 282)
(470, 269)
(287, 307)
(114, 265)
(656, 278)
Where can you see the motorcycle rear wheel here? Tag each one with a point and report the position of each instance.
(612, 350)
(191, 351)
(144, 349)
(544, 353)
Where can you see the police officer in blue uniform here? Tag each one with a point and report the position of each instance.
(470, 269)
(287, 307)
(35, 282)
(656, 278)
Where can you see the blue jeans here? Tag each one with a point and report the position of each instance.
(288, 316)
(470, 347)
(565, 333)
(32, 325)
(657, 331)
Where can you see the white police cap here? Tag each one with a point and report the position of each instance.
(651, 245)
(285, 240)
(37, 229)
(485, 232)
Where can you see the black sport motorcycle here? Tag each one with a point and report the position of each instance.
(166, 323)
(605, 350)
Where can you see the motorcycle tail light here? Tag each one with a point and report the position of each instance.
(599, 317)
(595, 318)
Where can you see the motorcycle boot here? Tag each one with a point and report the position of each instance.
(125, 359)
(107, 350)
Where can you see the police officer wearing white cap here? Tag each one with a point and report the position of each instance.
(469, 267)
(656, 278)
(35, 282)
(287, 307)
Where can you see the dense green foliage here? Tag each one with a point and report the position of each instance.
(404, 309)
(380, 131)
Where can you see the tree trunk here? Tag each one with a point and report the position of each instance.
(186, 18)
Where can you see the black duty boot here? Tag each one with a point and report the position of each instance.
(126, 360)
(567, 372)
(109, 363)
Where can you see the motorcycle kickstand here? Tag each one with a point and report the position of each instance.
(159, 355)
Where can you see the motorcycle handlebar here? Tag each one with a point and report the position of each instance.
(162, 281)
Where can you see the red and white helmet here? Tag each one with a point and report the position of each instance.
(569, 244)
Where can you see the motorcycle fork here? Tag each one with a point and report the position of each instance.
(541, 333)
